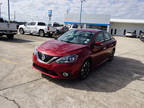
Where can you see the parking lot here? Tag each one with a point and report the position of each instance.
(116, 84)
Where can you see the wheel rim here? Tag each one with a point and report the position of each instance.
(21, 31)
(85, 69)
(41, 33)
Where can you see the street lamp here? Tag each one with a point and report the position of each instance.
(0, 9)
(8, 11)
(81, 10)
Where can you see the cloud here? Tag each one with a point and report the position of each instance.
(37, 10)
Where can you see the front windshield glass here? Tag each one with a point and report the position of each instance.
(77, 37)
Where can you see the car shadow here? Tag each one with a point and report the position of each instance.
(35, 35)
(15, 40)
(109, 77)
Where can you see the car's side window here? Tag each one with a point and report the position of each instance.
(28, 24)
(110, 35)
(41, 24)
(107, 36)
(99, 37)
(33, 23)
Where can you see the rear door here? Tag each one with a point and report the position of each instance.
(98, 51)
(32, 27)
(27, 28)
(108, 44)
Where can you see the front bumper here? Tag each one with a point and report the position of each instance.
(55, 70)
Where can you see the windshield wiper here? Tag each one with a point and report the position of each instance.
(66, 41)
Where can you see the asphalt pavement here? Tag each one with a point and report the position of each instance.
(116, 84)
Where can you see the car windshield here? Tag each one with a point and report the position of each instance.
(77, 37)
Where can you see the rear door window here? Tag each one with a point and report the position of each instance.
(107, 36)
(28, 24)
(99, 37)
(33, 23)
(41, 24)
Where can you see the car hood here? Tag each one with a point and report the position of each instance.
(58, 48)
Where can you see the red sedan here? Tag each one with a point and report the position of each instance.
(74, 53)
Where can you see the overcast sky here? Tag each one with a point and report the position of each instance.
(37, 10)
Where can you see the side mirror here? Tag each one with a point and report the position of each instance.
(98, 43)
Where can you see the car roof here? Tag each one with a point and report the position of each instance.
(90, 30)
(35, 22)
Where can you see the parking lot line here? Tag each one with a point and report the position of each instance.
(7, 61)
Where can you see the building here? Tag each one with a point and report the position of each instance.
(89, 21)
(114, 26)
(122, 26)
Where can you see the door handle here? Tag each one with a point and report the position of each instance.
(111, 45)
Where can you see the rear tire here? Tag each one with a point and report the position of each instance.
(41, 33)
(10, 37)
(85, 70)
(21, 31)
(112, 55)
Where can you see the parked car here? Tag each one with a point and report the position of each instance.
(131, 34)
(75, 26)
(142, 36)
(39, 28)
(61, 29)
(74, 53)
(8, 29)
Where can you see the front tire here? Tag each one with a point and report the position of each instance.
(21, 31)
(85, 70)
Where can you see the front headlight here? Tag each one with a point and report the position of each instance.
(35, 50)
(67, 59)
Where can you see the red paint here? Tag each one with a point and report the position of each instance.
(97, 54)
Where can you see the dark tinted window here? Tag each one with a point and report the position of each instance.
(1, 20)
(111, 31)
(41, 24)
(99, 37)
(33, 23)
(115, 31)
(75, 26)
(107, 36)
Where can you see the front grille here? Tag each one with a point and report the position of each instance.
(45, 70)
(46, 57)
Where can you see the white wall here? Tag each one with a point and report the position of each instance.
(129, 28)
(86, 18)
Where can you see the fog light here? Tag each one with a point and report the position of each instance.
(65, 74)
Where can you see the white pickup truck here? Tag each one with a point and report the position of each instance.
(39, 28)
(8, 29)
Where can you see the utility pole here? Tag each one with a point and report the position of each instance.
(0, 9)
(8, 11)
(68, 10)
(81, 10)
(14, 15)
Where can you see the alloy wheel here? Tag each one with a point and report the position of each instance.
(41, 33)
(85, 69)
